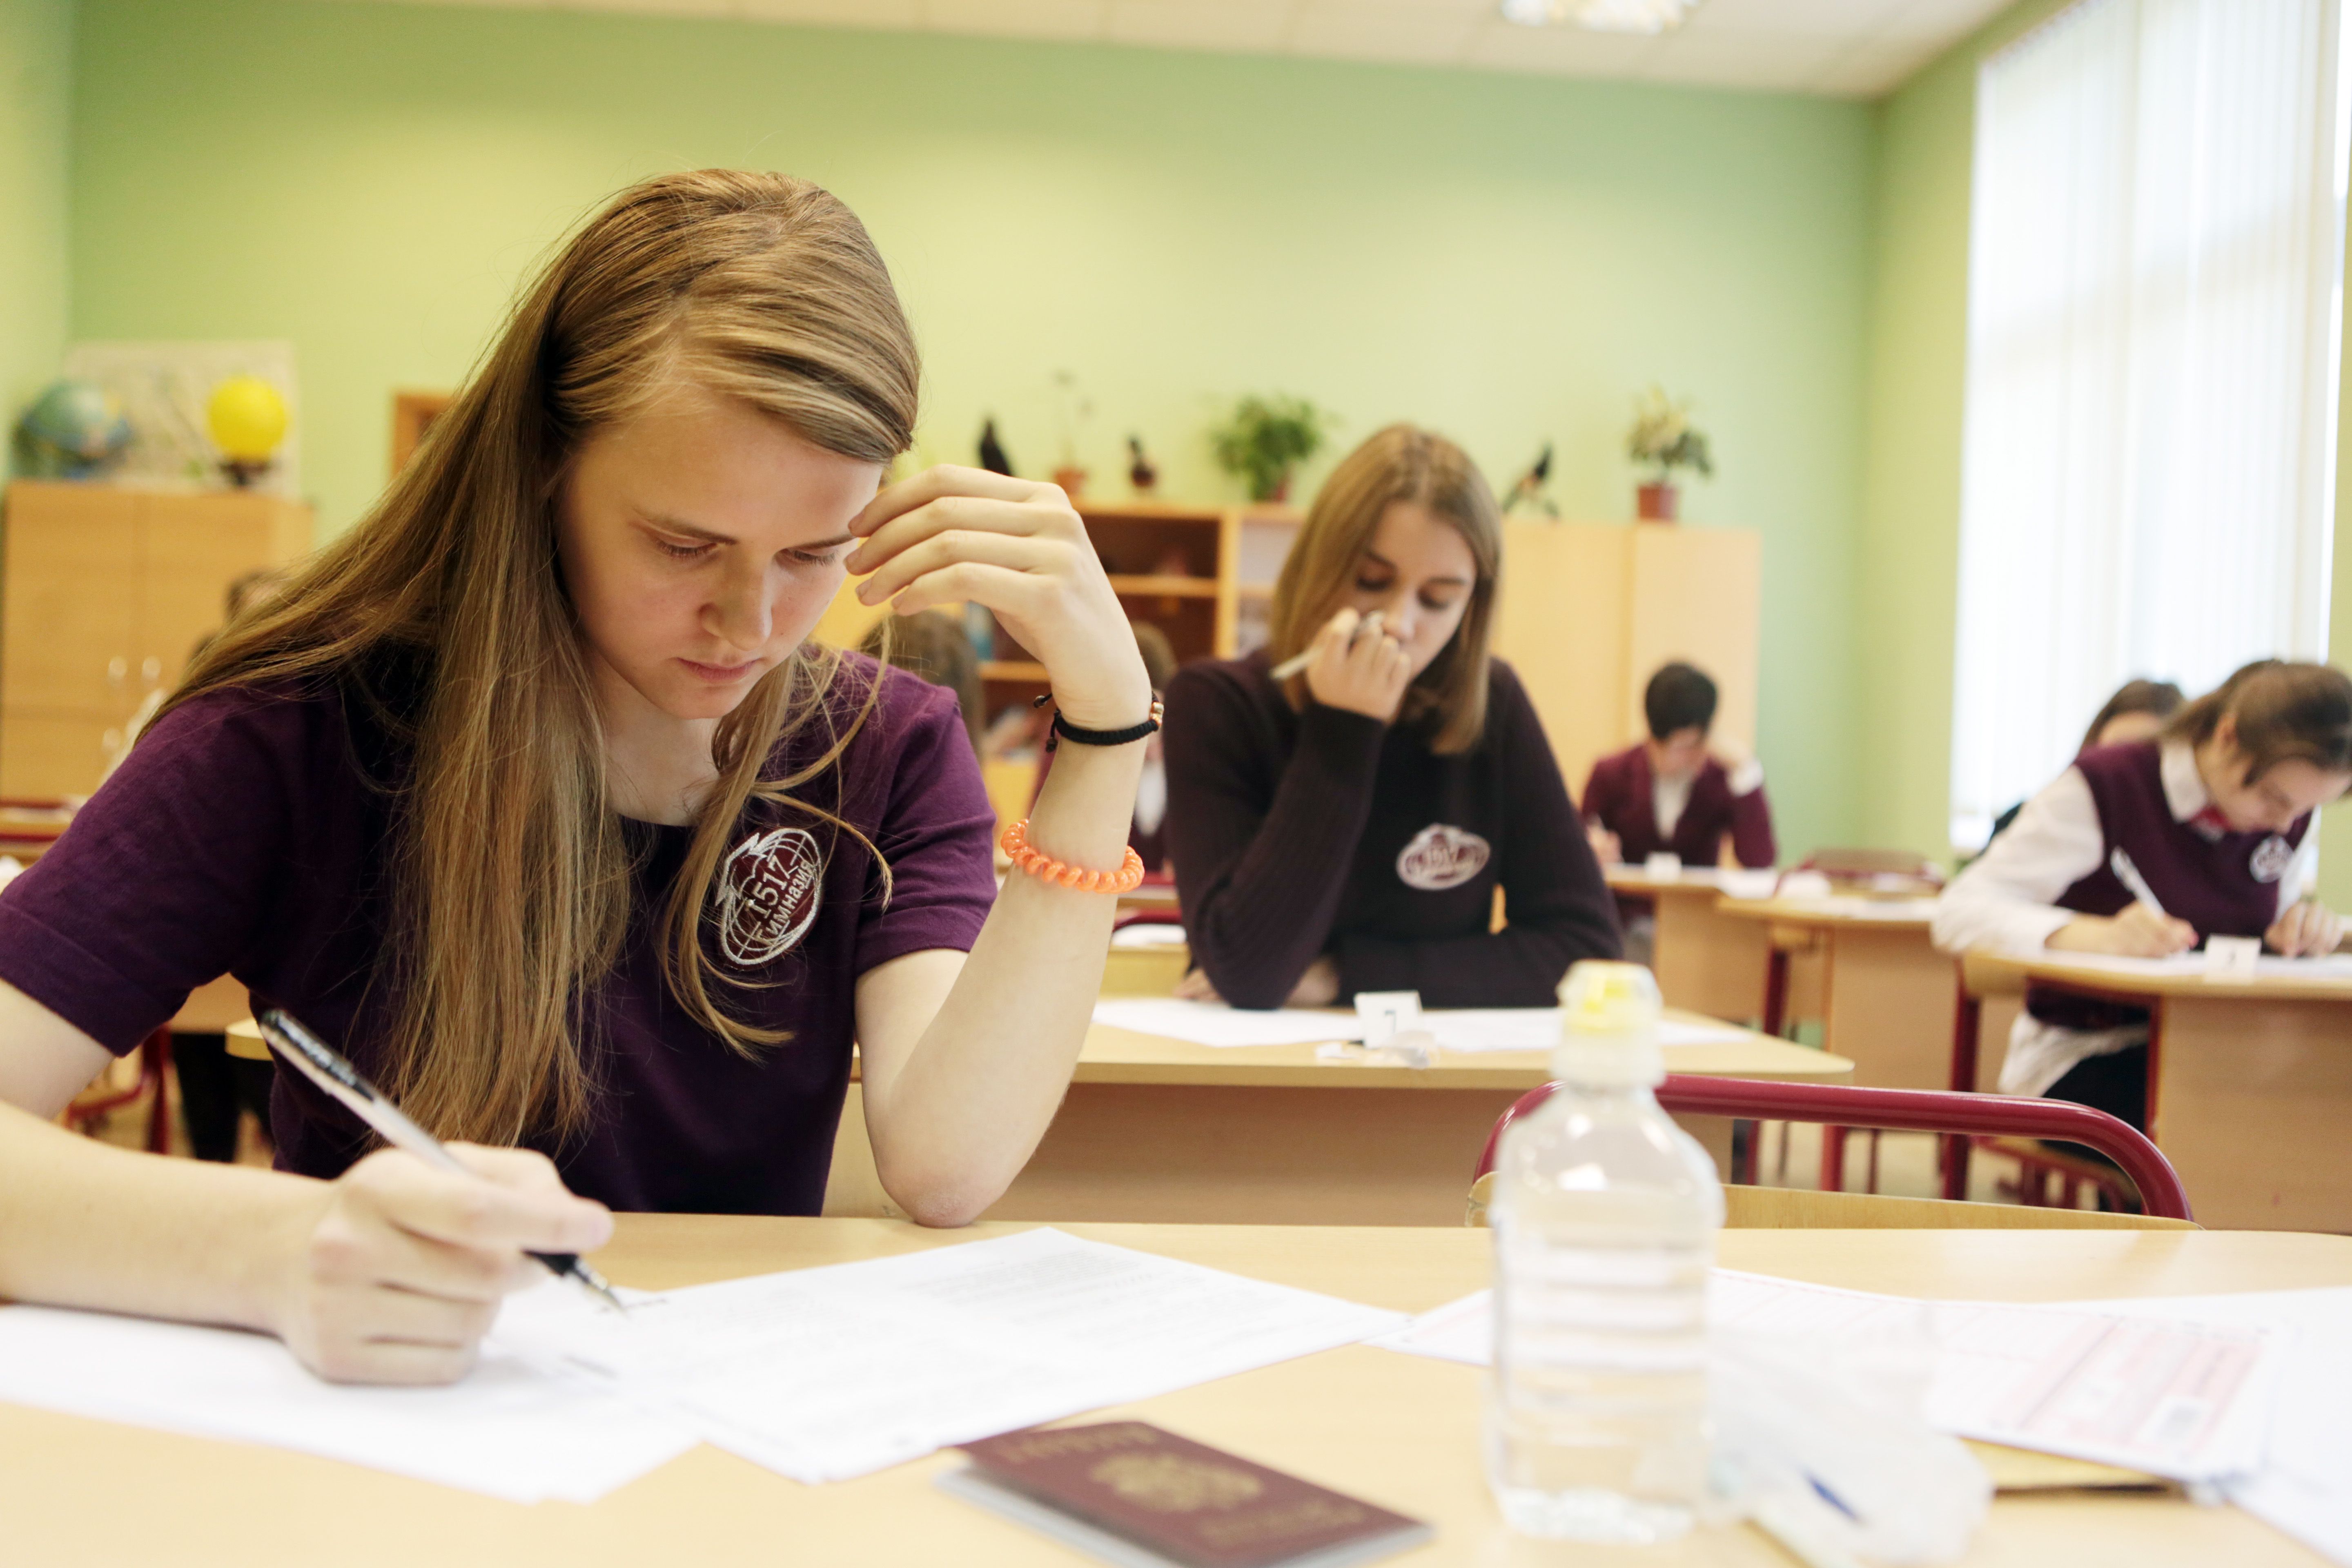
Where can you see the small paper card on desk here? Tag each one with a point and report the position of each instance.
(1129, 1493)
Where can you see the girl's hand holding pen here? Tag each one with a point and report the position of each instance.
(2306, 928)
(1356, 665)
(395, 1271)
(2136, 930)
(953, 534)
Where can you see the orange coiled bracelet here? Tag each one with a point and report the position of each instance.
(1126, 879)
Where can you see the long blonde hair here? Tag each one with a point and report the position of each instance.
(510, 875)
(1398, 464)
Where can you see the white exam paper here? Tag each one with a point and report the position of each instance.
(1465, 1030)
(2324, 966)
(825, 1373)
(509, 1429)
(1216, 1024)
(2303, 1486)
(2178, 1396)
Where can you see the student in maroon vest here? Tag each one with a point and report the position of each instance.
(1346, 828)
(1675, 793)
(2213, 816)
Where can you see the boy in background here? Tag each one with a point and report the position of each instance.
(1675, 793)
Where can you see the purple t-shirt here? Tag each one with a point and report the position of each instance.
(246, 835)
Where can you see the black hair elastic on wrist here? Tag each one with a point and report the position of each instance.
(1062, 729)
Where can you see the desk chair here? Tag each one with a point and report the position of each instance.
(155, 1071)
(1901, 1109)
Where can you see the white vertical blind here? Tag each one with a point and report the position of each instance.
(2148, 458)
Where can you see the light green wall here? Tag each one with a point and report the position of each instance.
(1506, 258)
(36, 72)
(1909, 557)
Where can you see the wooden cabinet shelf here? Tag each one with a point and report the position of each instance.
(104, 592)
(1165, 587)
(1026, 671)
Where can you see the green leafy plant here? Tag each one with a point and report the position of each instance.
(1266, 438)
(1663, 438)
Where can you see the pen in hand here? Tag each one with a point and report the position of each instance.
(1299, 662)
(323, 1066)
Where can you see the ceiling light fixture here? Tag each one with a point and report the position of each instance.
(1601, 16)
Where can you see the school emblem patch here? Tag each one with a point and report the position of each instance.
(2271, 858)
(1440, 857)
(767, 891)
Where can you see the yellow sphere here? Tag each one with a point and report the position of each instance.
(248, 419)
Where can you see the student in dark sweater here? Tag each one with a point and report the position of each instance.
(2213, 818)
(1674, 794)
(1345, 829)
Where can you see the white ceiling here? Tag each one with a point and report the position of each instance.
(1844, 49)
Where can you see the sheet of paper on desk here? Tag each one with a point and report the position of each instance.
(2184, 1398)
(824, 1373)
(509, 1430)
(1462, 1030)
(1147, 934)
(2325, 966)
(1474, 1029)
(2304, 1485)
(1215, 1024)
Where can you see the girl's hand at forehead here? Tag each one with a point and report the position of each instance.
(953, 534)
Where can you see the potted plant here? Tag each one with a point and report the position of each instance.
(1266, 438)
(1663, 438)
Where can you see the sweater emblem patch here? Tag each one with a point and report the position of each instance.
(2271, 858)
(766, 892)
(1440, 857)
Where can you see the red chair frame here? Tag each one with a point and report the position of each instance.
(1908, 1110)
(155, 1071)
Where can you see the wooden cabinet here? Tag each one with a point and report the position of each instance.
(1202, 574)
(104, 592)
(1590, 610)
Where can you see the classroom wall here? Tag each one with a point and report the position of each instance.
(1509, 259)
(1908, 567)
(36, 72)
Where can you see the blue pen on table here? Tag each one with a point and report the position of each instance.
(323, 1066)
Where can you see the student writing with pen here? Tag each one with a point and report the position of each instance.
(2148, 847)
(1343, 804)
(530, 797)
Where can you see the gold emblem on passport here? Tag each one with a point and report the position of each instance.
(1169, 1483)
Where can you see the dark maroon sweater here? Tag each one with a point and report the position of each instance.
(1299, 834)
(1619, 797)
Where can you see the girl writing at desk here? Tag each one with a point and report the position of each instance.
(532, 796)
(2148, 847)
(1344, 829)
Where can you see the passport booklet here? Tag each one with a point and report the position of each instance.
(1131, 1494)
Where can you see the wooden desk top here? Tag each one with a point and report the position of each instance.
(1691, 882)
(1122, 1056)
(1887, 914)
(1399, 1430)
(1992, 973)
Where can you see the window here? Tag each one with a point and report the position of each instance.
(2154, 314)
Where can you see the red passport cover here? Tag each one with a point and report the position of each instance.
(1183, 1500)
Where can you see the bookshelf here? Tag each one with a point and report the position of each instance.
(1202, 575)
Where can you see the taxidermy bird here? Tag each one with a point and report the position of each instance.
(1139, 471)
(1529, 491)
(992, 450)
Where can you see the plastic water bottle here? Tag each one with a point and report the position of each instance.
(1605, 1216)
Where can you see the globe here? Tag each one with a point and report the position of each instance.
(73, 430)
